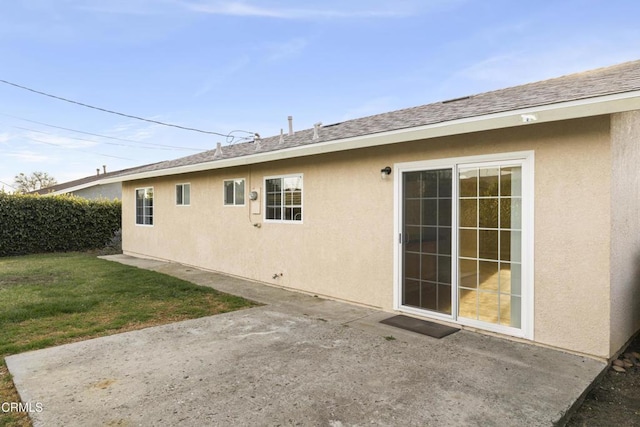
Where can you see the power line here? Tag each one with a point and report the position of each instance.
(121, 114)
(88, 140)
(8, 185)
(77, 149)
(103, 136)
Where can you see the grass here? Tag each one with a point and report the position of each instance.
(53, 299)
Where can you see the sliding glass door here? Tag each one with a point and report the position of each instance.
(461, 242)
(427, 234)
(489, 248)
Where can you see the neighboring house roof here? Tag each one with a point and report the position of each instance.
(601, 91)
(82, 183)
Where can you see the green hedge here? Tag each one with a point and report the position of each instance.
(36, 224)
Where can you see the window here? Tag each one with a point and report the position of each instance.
(284, 198)
(144, 206)
(183, 194)
(234, 192)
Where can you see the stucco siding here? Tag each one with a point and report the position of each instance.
(572, 238)
(625, 227)
(344, 248)
(333, 252)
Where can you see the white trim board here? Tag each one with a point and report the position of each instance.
(520, 117)
(526, 160)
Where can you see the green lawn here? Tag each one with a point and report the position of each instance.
(52, 299)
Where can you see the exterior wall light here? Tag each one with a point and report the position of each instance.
(253, 195)
(385, 172)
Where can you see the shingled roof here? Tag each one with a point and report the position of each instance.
(617, 79)
(85, 182)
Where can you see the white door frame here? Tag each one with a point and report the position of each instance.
(523, 158)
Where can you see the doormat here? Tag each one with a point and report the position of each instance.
(423, 327)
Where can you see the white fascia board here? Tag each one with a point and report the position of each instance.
(72, 189)
(543, 114)
(80, 187)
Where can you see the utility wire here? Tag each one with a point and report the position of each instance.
(118, 113)
(8, 185)
(77, 149)
(175, 147)
(87, 140)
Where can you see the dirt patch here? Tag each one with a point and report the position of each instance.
(104, 384)
(616, 400)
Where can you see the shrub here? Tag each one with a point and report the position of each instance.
(35, 224)
(114, 245)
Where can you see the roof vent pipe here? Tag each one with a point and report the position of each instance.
(281, 136)
(316, 127)
(97, 171)
(290, 118)
(104, 168)
(218, 152)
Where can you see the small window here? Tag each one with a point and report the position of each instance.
(284, 198)
(234, 192)
(144, 206)
(183, 194)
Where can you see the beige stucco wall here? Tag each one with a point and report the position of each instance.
(333, 252)
(572, 239)
(344, 248)
(625, 227)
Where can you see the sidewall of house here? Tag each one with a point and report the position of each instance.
(104, 191)
(625, 227)
(344, 248)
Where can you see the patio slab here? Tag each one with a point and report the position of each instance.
(298, 360)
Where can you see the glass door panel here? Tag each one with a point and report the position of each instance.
(426, 249)
(489, 247)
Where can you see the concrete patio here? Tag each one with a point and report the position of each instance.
(297, 360)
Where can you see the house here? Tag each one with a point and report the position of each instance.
(89, 187)
(513, 212)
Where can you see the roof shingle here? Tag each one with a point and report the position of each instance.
(616, 79)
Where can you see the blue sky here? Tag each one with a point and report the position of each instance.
(246, 65)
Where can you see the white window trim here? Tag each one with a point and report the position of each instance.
(264, 186)
(234, 204)
(526, 159)
(174, 193)
(135, 201)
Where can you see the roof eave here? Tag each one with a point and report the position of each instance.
(589, 107)
(67, 190)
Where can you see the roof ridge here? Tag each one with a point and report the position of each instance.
(609, 80)
(475, 95)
